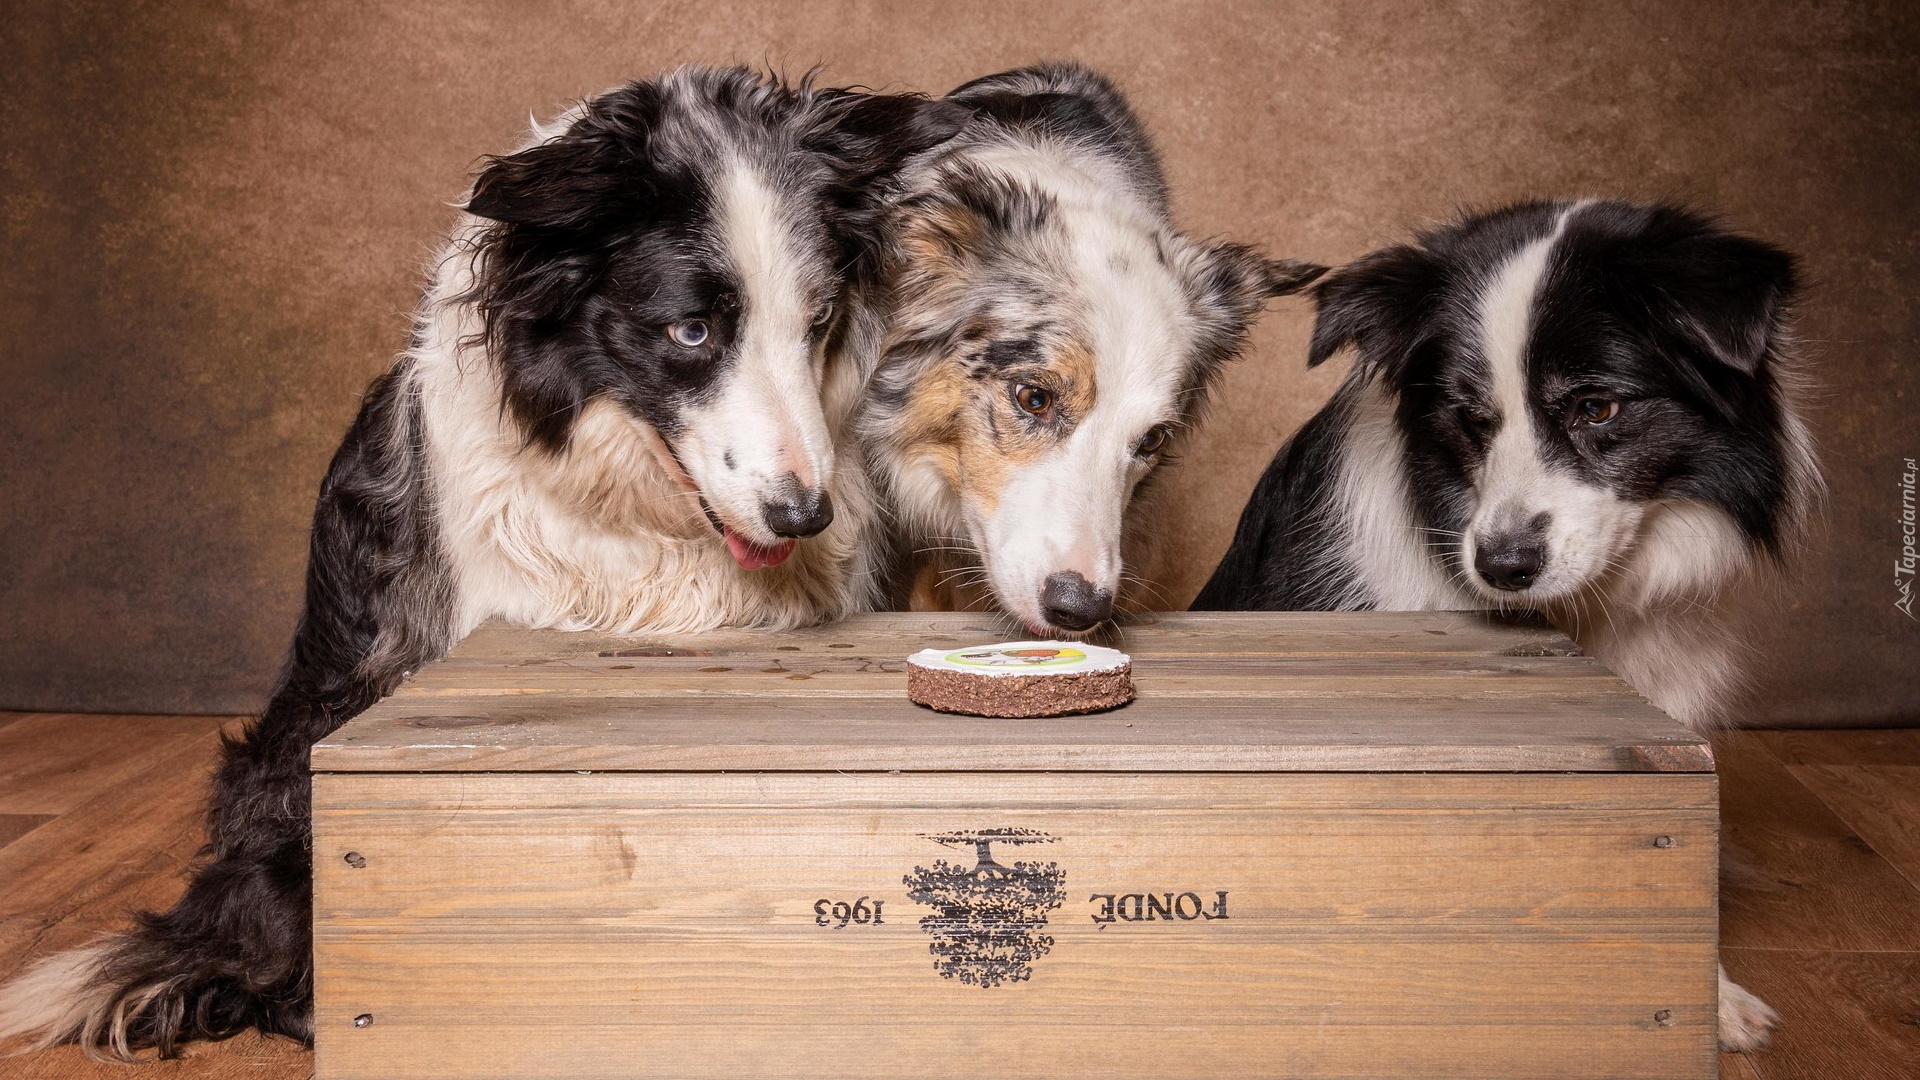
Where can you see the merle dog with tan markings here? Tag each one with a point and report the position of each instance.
(1043, 340)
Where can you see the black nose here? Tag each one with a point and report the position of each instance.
(1510, 562)
(796, 511)
(1070, 601)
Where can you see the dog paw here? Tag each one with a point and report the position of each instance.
(1746, 1022)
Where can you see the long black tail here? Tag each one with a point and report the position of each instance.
(237, 950)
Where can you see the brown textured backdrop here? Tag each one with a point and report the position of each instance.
(215, 216)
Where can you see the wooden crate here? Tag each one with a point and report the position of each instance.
(1353, 845)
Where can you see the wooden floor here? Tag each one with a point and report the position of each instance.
(98, 814)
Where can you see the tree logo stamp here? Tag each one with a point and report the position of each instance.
(987, 920)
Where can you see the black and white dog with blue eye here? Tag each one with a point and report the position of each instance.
(619, 411)
(1584, 409)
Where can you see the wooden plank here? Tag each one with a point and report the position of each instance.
(15, 826)
(1570, 878)
(488, 733)
(1869, 746)
(118, 848)
(725, 822)
(52, 762)
(79, 874)
(1845, 1014)
(1195, 633)
(853, 676)
(248, 1056)
(515, 1013)
(1456, 691)
(437, 794)
(1870, 778)
(1809, 880)
(637, 925)
(1880, 803)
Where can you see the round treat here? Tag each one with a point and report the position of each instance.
(1021, 678)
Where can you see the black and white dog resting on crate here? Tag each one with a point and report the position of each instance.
(617, 412)
(1042, 338)
(1585, 409)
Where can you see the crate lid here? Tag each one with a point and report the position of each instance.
(1218, 692)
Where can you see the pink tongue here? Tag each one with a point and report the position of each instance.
(752, 556)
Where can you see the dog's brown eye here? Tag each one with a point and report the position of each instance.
(688, 333)
(1152, 442)
(1033, 399)
(1595, 411)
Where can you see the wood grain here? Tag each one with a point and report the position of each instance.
(440, 794)
(15, 826)
(52, 762)
(81, 873)
(1455, 848)
(1869, 778)
(1244, 691)
(635, 925)
(1813, 882)
(1168, 634)
(1873, 746)
(1824, 1033)
(249, 1056)
(852, 675)
(1847, 1015)
(557, 734)
(1881, 803)
(131, 791)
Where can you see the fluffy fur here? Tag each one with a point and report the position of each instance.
(616, 413)
(1587, 409)
(1041, 338)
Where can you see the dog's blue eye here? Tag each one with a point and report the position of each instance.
(690, 334)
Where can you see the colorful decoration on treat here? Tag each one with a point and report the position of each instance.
(1021, 679)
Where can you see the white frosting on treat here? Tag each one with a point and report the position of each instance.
(1022, 658)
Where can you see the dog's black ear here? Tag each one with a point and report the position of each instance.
(1239, 280)
(1288, 276)
(872, 134)
(1377, 303)
(578, 177)
(548, 186)
(1726, 295)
